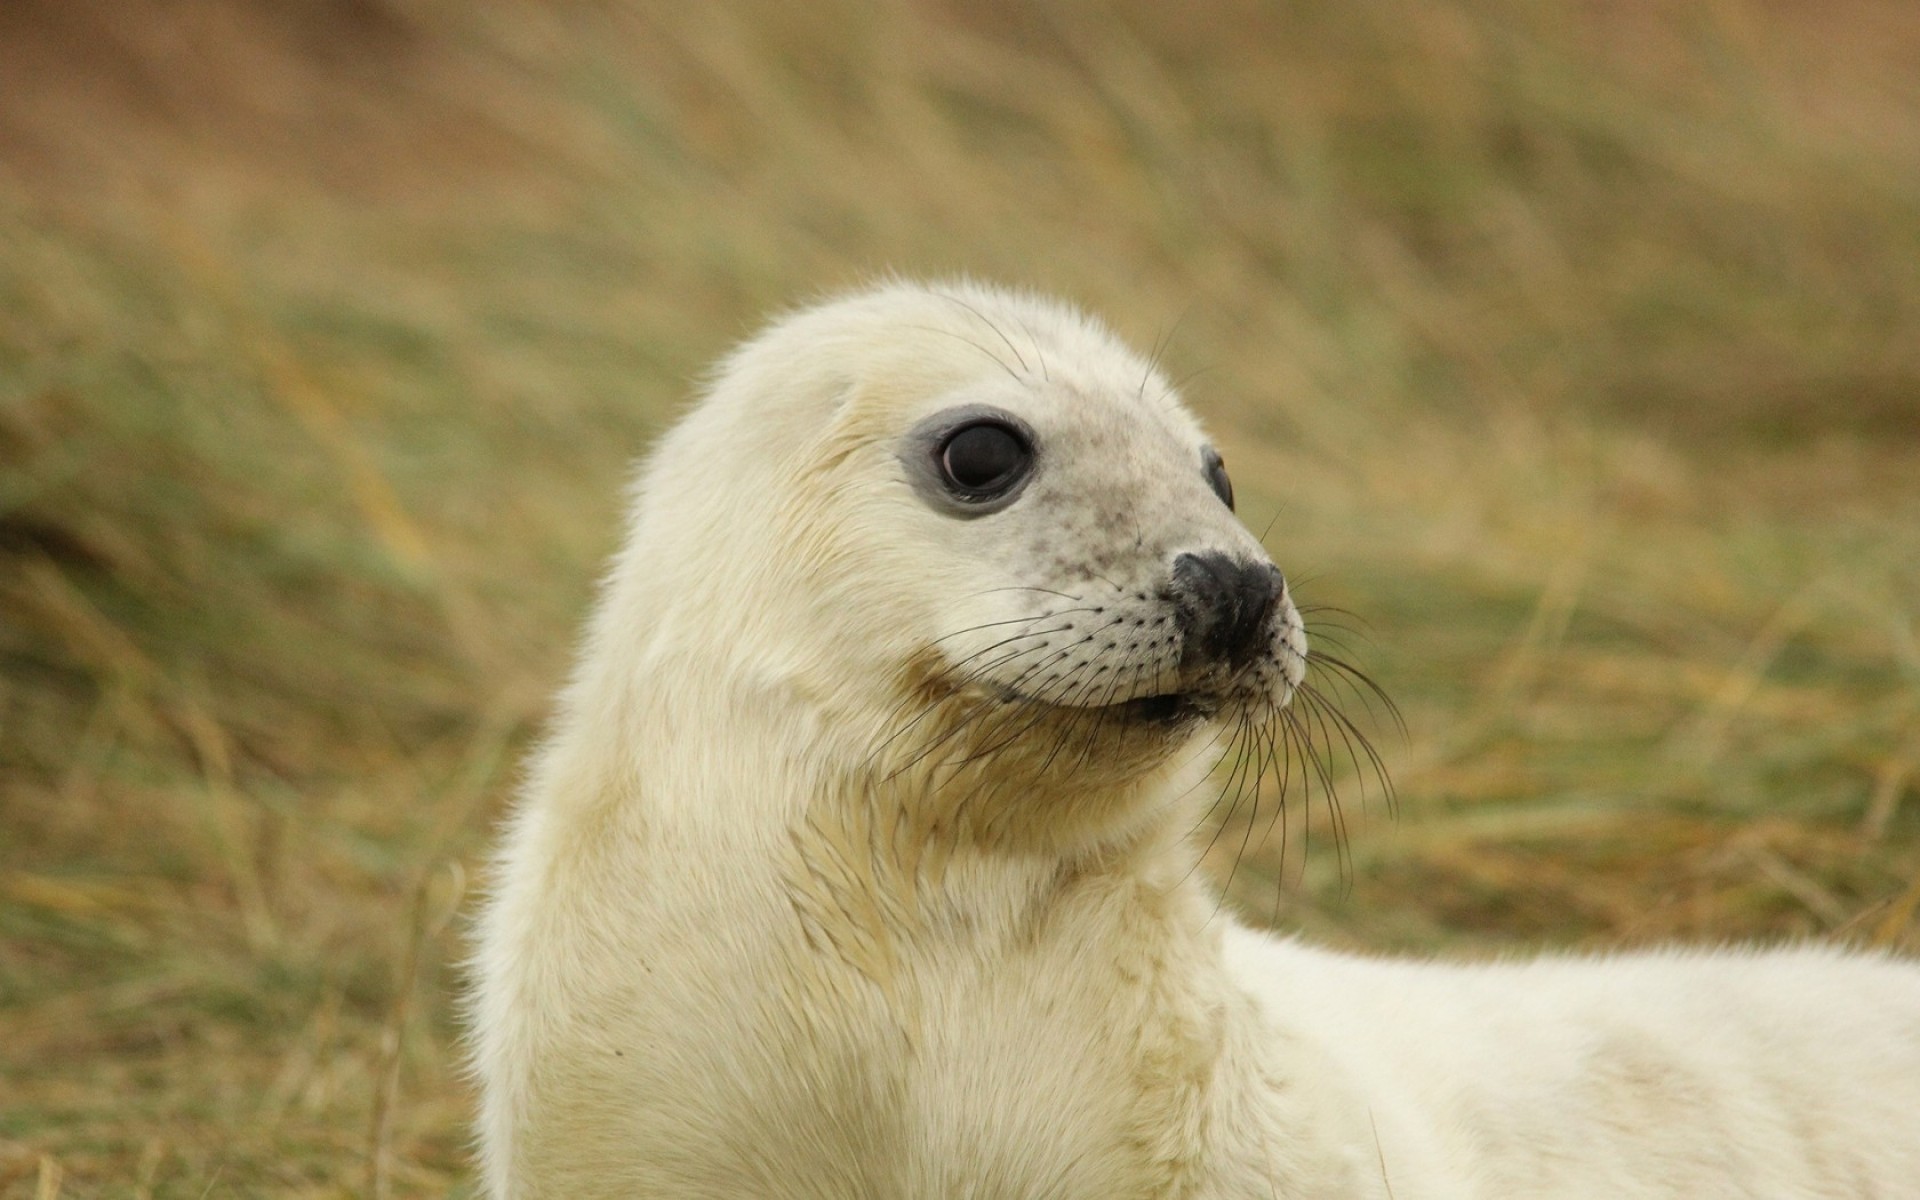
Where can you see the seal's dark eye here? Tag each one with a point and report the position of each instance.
(1217, 476)
(984, 459)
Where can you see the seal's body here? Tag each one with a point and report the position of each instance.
(859, 862)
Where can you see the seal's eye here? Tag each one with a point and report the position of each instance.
(1217, 476)
(982, 460)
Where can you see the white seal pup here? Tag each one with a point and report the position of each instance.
(860, 860)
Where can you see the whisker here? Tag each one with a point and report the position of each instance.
(1229, 788)
(1236, 783)
(1026, 588)
(1161, 345)
(1269, 759)
(1352, 736)
(959, 679)
(1009, 621)
(1345, 669)
(1253, 790)
(979, 708)
(1011, 373)
(1323, 767)
(1039, 351)
(988, 322)
(984, 710)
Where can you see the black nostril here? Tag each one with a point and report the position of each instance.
(1225, 605)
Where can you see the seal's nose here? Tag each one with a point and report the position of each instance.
(1225, 606)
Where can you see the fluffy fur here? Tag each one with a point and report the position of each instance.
(849, 872)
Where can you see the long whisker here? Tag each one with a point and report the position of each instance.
(1026, 588)
(1347, 670)
(983, 710)
(1235, 784)
(985, 320)
(1009, 621)
(962, 677)
(1011, 373)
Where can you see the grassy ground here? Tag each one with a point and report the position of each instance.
(1574, 348)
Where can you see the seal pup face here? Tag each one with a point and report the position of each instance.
(1086, 603)
(978, 540)
(1105, 590)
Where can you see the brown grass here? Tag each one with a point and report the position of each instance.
(1574, 348)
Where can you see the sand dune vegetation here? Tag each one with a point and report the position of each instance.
(1572, 350)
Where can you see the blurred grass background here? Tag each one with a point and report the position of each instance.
(1574, 347)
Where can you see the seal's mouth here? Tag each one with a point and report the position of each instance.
(1167, 708)
(1164, 710)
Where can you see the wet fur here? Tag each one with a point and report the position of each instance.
(845, 873)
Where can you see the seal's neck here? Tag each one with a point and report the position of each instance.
(914, 832)
(930, 854)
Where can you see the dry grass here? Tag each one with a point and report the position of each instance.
(1576, 348)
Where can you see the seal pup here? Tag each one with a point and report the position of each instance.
(860, 859)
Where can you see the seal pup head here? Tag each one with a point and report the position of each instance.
(964, 541)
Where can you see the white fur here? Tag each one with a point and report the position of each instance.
(756, 931)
